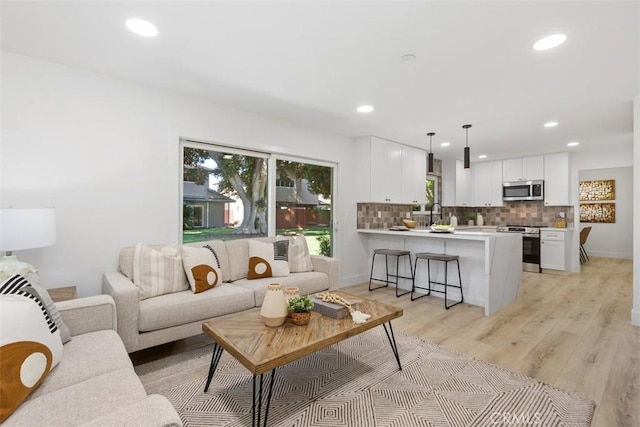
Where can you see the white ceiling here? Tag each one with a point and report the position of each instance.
(314, 62)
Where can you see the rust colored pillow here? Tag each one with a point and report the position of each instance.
(30, 347)
(268, 259)
(202, 268)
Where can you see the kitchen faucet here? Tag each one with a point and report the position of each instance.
(431, 213)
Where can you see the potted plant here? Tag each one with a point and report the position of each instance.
(300, 308)
(470, 219)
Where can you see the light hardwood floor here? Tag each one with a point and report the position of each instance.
(570, 331)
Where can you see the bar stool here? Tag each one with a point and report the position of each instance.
(446, 259)
(387, 253)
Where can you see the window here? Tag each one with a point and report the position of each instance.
(194, 215)
(304, 206)
(230, 189)
(431, 194)
(226, 196)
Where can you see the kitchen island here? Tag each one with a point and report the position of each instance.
(490, 263)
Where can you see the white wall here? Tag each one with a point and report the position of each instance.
(104, 152)
(602, 159)
(612, 240)
(635, 311)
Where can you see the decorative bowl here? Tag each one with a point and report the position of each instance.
(410, 223)
(442, 228)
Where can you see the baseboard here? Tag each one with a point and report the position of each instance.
(614, 255)
(353, 280)
(635, 317)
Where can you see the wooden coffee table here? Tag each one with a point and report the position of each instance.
(262, 349)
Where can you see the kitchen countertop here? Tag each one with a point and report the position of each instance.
(461, 233)
(490, 262)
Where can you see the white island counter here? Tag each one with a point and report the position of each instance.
(490, 263)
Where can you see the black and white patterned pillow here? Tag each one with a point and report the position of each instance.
(19, 285)
(268, 259)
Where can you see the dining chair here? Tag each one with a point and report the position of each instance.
(584, 233)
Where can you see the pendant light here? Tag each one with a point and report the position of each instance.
(467, 154)
(430, 158)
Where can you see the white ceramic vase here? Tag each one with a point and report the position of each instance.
(274, 307)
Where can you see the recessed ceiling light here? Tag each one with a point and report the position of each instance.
(365, 109)
(482, 156)
(551, 124)
(573, 144)
(445, 144)
(409, 57)
(550, 42)
(141, 27)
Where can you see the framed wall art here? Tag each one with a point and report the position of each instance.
(598, 212)
(604, 189)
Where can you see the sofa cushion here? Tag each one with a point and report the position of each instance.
(238, 253)
(146, 413)
(89, 399)
(268, 259)
(308, 283)
(202, 267)
(30, 347)
(158, 272)
(185, 307)
(86, 356)
(298, 255)
(221, 251)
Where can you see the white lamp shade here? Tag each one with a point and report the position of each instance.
(22, 229)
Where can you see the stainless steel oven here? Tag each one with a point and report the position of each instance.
(530, 245)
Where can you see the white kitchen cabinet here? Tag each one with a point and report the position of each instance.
(378, 170)
(389, 172)
(413, 175)
(456, 184)
(554, 249)
(523, 169)
(556, 179)
(487, 184)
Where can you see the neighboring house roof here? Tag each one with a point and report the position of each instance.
(194, 192)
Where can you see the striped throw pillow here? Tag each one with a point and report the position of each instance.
(30, 285)
(158, 272)
(299, 257)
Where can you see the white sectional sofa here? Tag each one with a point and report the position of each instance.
(94, 384)
(144, 323)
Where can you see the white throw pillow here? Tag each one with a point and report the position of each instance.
(202, 267)
(299, 257)
(268, 259)
(30, 347)
(31, 285)
(158, 272)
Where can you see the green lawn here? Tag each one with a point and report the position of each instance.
(226, 233)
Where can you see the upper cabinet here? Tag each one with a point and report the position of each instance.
(556, 179)
(413, 174)
(487, 184)
(456, 183)
(389, 172)
(523, 169)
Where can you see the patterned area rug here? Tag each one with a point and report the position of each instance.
(357, 383)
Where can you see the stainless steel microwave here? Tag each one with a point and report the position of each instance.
(523, 190)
